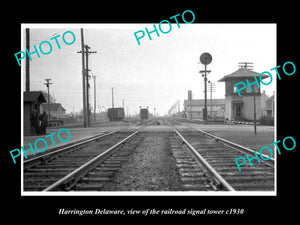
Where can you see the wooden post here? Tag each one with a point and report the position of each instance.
(27, 84)
(83, 80)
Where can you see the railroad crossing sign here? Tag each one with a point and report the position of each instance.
(205, 58)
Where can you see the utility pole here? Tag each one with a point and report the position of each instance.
(94, 77)
(27, 83)
(48, 86)
(112, 97)
(254, 108)
(212, 89)
(123, 107)
(178, 108)
(83, 80)
(87, 52)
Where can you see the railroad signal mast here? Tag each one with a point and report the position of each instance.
(205, 59)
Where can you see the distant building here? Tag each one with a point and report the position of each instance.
(263, 99)
(269, 108)
(56, 110)
(193, 108)
(242, 107)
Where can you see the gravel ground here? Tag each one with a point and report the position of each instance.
(241, 134)
(150, 168)
(76, 134)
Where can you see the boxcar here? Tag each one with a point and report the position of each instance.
(144, 114)
(115, 114)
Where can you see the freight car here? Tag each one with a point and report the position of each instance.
(144, 114)
(115, 114)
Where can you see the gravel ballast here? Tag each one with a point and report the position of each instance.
(151, 167)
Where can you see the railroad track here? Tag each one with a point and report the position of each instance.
(65, 168)
(206, 162)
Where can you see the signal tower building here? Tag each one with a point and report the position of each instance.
(241, 108)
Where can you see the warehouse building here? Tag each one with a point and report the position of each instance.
(193, 108)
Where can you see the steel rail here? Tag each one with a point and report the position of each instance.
(232, 144)
(62, 149)
(235, 145)
(81, 171)
(202, 161)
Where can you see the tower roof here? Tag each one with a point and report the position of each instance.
(242, 73)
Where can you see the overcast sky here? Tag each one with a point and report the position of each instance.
(156, 73)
